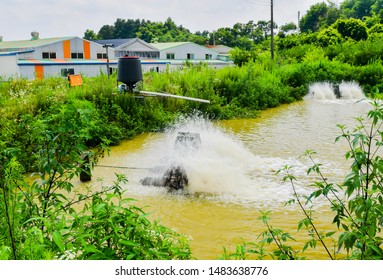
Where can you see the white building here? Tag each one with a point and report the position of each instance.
(132, 47)
(148, 54)
(178, 53)
(40, 58)
(184, 51)
(8, 65)
(223, 51)
(47, 57)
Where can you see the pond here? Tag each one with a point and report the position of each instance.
(233, 173)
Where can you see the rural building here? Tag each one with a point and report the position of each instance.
(159, 56)
(223, 51)
(39, 58)
(184, 51)
(60, 56)
(178, 53)
(131, 47)
(148, 54)
(8, 65)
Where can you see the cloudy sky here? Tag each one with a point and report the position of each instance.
(55, 18)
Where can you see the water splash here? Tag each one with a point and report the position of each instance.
(351, 90)
(322, 91)
(219, 166)
(329, 91)
(222, 169)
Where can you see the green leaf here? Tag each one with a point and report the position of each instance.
(57, 238)
(91, 249)
(128, 243)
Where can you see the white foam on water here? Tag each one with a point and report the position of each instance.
(221, 169)
(326, 91)
(218, 166)
(322, 91)
(351, 90)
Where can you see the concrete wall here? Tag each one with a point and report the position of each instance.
(152, 66)
(182, 51)
(65, 48)
(31, 71)
(8, 66)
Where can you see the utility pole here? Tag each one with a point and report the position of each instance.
(106, 46)
(272, 30)
(299, 19)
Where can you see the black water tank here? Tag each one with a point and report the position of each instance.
(129, 70)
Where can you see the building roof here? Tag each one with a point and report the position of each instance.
(114, 42)
(164, 46)
(13, 53)
(120, 44)
(222, 49)
(139, 41)
(30, 44)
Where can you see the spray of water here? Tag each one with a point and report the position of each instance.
(351, 90)
(219, 165)
(221, 169)
(327, 91)
(322, 91)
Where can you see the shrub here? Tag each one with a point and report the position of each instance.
(38, 220)
(352, 28)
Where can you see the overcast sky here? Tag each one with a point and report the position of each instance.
(56, 18)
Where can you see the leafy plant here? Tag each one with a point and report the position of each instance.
(357, 203)
(46, 218)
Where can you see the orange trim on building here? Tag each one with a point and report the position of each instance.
(39, 71)
(66, 49)
(86, 50)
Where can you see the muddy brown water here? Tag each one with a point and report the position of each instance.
(232, 175)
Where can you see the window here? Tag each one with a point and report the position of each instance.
(77, 55)
(208, 56)
(67, 71)
(49, 55)
(101, 56)
(170, 56)
(190, 56)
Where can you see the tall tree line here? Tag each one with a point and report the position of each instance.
(245, 36)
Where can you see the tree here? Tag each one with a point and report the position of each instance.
(286, 28)
(90, 35)
(126, 28)
(106, 32)
(377, 6)
(329, 36)
(333, 14)
(352, 29)
(224, 36)
(264, 27)
(377, 28)
(314, 19)
(358, 8)
(240, 57)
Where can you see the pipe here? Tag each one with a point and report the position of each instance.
(150, 93)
